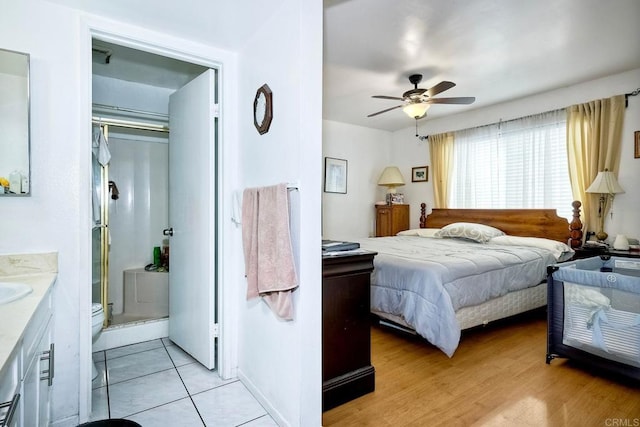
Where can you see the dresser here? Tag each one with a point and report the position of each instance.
(346, 336)
(391, 219)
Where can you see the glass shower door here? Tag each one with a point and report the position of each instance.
(100, 230)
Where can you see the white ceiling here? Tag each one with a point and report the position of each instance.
(142, 67)
(227, 24)
(495, 50)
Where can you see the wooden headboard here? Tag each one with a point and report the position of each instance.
(515, 222)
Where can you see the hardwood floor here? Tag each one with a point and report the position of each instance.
(497, 377)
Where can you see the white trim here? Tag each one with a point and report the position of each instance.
(226, 63)
(84, 275)
(119, 335)
(266, 404)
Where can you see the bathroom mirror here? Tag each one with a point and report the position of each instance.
(15, 172)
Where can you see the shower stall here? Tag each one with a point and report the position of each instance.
(130, 212)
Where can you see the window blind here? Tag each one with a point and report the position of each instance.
(517, 164)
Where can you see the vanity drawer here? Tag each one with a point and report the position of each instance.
(34, 331)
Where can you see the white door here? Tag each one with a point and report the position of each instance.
(192, 218)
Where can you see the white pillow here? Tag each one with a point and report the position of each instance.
(467, 230)
(420, 232)
(561, 251)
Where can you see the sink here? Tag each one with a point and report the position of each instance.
(13, 291)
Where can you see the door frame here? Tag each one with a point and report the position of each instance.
(225, 62)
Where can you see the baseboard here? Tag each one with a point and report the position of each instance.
(127, 334)
(266, 404)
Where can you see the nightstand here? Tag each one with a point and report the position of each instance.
(590, 251)
(391, 219)
(346, 335)
(626, 254)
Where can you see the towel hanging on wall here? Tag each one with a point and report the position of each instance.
(268, 254)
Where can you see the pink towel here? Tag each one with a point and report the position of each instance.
(266, 240)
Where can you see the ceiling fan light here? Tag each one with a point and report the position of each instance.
(416, 110)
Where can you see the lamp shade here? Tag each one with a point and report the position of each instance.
(416, 110)
(391, 177)
(605, 183)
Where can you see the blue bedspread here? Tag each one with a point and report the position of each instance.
(425, 280)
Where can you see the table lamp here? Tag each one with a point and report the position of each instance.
(607, 186)
(391, 178)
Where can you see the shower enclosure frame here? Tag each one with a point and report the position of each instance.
(103, 226)
(105, 190)
(104, 237)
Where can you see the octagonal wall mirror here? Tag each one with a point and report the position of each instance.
(15, 172)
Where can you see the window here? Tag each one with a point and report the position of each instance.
(513, 165)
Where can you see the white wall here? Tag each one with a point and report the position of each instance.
(51, 219)
(281, 360)
(625, 206)
(406, 151)
(124, 94)
(367, 152)
(409, 152)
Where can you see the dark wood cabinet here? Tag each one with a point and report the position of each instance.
(624, 254)
(391, 219)
(591, 251)
(346, 336)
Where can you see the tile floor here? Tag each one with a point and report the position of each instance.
(156, 383)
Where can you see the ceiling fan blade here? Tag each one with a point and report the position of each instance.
(440, 87)
(387, 97)
(459, 100)
(384, 111)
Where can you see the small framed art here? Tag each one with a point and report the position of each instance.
(636, 149)
(420, 174)
(335, 175)
(397, 199)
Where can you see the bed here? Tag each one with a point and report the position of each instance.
(467, 267)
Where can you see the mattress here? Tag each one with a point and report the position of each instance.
(425, 281)
(499, 308)
(502, 307)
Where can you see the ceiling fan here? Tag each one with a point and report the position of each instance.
(417, 101)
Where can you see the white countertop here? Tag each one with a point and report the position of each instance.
(15, 316)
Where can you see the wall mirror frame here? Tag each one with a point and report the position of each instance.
(15, 124)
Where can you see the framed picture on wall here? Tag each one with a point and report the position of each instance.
(420, 174)
(636, 149)
(335, 175)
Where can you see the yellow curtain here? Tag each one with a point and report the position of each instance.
(441, 152)
(594, 132)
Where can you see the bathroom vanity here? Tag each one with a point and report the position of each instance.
(26, 343)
